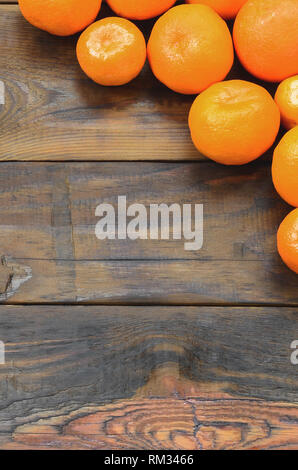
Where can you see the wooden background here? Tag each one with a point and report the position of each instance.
(132, 344)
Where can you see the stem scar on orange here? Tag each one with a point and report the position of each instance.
(234, 122)
(112, 51)
(287, 240)
(190, 48)
(285, 167)
(140, 9)
(60, 17)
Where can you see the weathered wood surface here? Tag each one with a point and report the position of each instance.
(50, 252)
(86, 377)
(143, 377)
(166, 424)
(54, 112)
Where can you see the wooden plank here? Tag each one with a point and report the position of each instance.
(182, 377)
(50, 252)
(169, 424)
(148, 282)
(53, 111)
(43, 206)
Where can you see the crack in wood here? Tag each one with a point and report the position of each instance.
(14, 275)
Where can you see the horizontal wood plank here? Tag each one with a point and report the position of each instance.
(50, 252)
(147, 282)
(168, 424)
(53, 111)
(207, 377)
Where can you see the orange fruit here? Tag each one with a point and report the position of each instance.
(112, 51)
(286, 98)
(226, 8)
(285, 167)
(190, 48)
(60, 17)
(266, 38)
(234, 122)
(287, 240)
(140, 9)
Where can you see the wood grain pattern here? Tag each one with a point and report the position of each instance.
(168, 424)
(95, 377)
(54, 112)
(51, 253)
(182, 377)
(149, 282)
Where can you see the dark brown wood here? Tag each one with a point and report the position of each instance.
(143, 377)
(94, 377)
(50, 252)
(148, 282)
(168, 424)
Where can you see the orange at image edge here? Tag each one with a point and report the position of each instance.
(286, 98)
(61, 18)
(140, 9)
(285, 167)
(227, 9)
(287, 240)
(266, 38)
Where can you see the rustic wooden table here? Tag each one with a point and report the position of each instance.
(132, 344)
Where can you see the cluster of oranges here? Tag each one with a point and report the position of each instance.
(191, 51)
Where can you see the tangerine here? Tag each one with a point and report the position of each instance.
(234, 122)
(140, 10)
(286, 98)
(285, 167)
(266, 38)
(190, 48)
(60, 17)
(287, 240)
(225, 8)
(112, 51)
